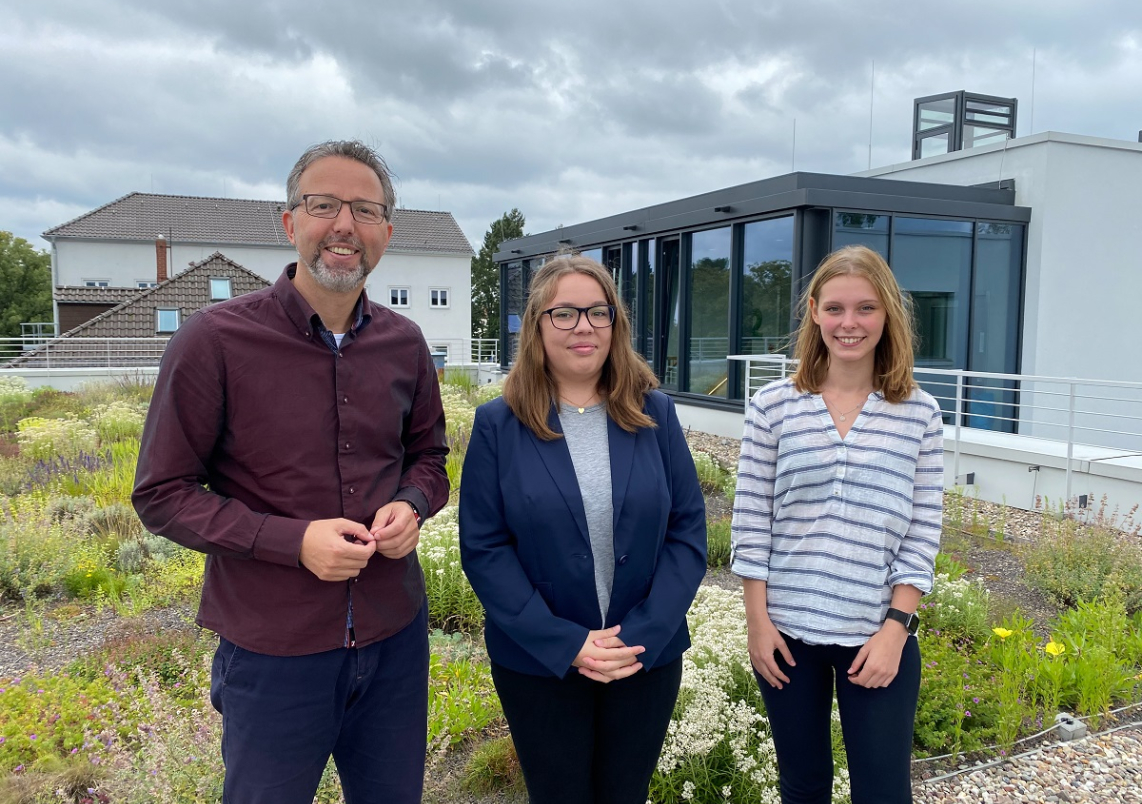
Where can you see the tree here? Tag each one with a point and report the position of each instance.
(486, 275)
(25, 284)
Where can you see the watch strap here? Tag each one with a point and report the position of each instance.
(910, 621)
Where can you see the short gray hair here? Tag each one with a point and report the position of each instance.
(349, 149)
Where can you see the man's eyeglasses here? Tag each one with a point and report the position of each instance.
(599, 316)
(326, 206)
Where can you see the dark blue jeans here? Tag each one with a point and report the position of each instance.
(282, 718)
(583, 742)
(877, 726)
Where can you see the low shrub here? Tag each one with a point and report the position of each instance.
(1072, 563)
(718, 543)
(494, 767)
(957, 609)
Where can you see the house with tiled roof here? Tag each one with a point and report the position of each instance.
(141, 323)
(139, 240)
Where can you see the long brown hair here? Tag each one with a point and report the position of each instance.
(892, 371)
(530, 390)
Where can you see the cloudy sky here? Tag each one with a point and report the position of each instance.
(569, 111)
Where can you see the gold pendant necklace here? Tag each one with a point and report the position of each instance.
(581, 408)
(841, 416)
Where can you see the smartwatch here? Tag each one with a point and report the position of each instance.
(910, 621)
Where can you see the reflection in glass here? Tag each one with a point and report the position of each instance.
(994, 324)
(710, 312)
(651, 307)
(937, 113)
(982, 135)
(595, 254)
(671, 290)
(861, 229)
(935, 145)
(766, 288)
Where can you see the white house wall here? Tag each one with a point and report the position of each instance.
(124, 264)
(447, 328)
(1084, 269)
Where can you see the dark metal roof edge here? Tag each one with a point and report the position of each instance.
(767, 196)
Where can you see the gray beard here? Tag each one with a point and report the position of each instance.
(337, 281)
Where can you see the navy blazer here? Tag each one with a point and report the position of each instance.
(525, 547)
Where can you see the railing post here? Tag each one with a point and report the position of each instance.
(959, 421)
(1070, 436)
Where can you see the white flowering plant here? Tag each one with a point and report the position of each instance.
(46, 439)
(452, 604)
(718, 747)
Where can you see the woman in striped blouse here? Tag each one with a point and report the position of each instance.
(836, 526)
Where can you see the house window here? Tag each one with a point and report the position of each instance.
(96, 283)
(398, 297)
(145, 283)
(438, 297)
(220, 288)
(166, 321)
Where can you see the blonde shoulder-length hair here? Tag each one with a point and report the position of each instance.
(530, 390)
(892, 372)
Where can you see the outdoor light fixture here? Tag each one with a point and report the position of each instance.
(630, 228)
(723, 209)
(514, 251)
(564, 242)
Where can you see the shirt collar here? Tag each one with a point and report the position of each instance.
(303, 316)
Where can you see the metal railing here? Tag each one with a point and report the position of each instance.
(1072, 411)
(63, 353)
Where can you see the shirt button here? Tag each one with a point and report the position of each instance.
(345, 400)
(346, 445)
(351, 489)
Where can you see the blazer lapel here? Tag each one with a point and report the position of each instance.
(557, 459)
(621, 447)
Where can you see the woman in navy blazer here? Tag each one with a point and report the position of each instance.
(585, 574)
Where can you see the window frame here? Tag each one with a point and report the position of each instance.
(159, 320)
(229, 288)
(399, 289)
(434, 299)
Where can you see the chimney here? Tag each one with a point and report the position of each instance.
(161, 259)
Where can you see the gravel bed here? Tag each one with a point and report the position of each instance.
(1105, 767)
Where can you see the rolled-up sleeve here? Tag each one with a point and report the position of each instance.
(751, 530)
(915, 560)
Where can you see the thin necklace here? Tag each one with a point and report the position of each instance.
(581, 408)
(829, 407)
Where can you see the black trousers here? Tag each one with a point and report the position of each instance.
(876, 723)
(583, 742)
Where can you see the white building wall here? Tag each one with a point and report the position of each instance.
(447, 328)
(1084, 266)
(124, 264)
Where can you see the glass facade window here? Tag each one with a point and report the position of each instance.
(709, 303)
(934, 114)
(595, 254)
(767, 286)
(512, 301)
(861, 229)
(932, 261)
(935, 145)
(650, 306)
(996, 279)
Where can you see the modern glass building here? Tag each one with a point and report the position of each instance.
(719, 274)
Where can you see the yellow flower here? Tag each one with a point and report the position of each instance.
(1055, 648)
(1002, 633)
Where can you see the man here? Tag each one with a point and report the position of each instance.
(296, 436)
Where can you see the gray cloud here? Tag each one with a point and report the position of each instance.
(567, 112)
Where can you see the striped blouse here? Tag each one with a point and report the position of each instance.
(833, 524)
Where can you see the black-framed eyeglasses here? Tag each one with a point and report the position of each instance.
(600, 316)
(327, 206)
